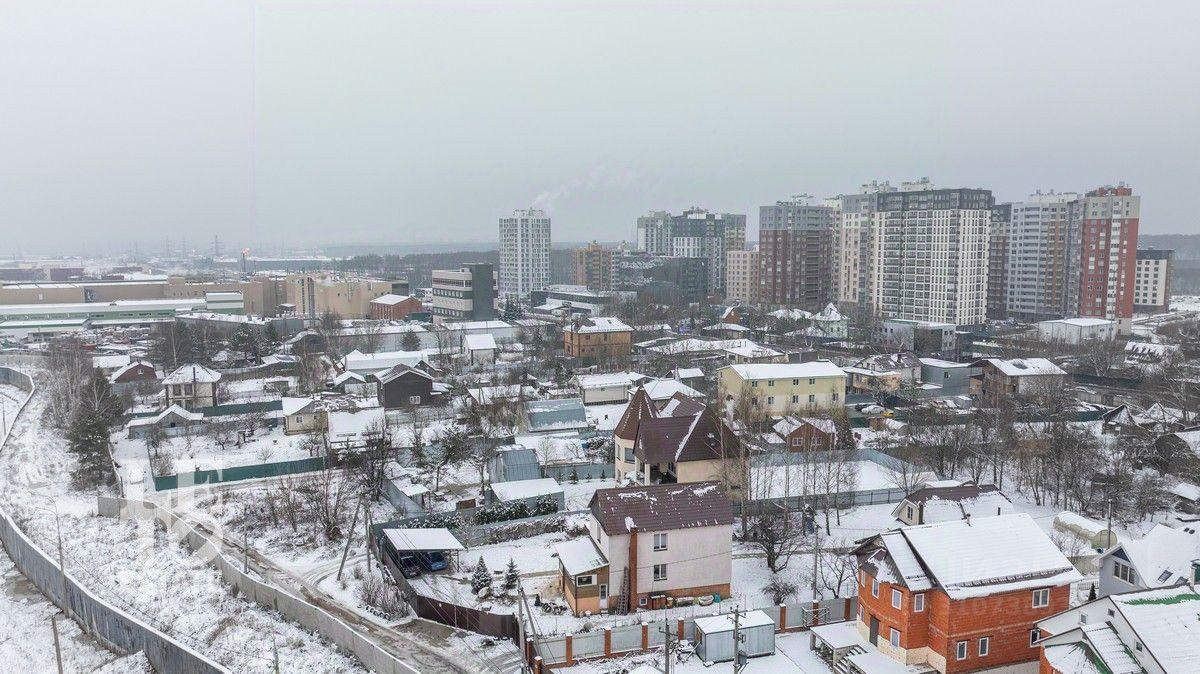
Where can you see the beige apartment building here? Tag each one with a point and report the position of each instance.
(776, 389)
(262, 294)
(349, 297)
(741, 276)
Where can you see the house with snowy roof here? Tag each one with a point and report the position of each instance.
(962, 595)
(952, 500)
(682, 442)
(192, 387)
(1165, 556)
(884, 372)
(1000, 379)
(597, 339)
(647, 543)
(1143, 632)
(807, 434)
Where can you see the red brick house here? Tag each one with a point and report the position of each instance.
(804, 434)
(963, 595)
(394, 307)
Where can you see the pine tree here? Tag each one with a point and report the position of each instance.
(270, 339)
(510, 575)
(410, 341)
(482, 578)
(245, 342)
(87, 438)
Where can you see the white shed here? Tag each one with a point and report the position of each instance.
(714, 636)
(480, 348)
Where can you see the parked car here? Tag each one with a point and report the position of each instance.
(432, 560)
(409, 567)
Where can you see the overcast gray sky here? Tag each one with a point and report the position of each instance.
(396, 122)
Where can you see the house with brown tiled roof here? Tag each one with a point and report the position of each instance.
(648, 543)
(682, 442)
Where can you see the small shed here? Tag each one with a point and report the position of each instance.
(480, 348)
(353, 383)
(714, 636)
(528, 492)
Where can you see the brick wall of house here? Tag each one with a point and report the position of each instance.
(1005, 618)
(913, 626)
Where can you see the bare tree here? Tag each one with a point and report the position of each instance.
(836, 567)
(775, 531)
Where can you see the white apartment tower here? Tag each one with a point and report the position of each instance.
(524, 253)
(929, 252)
(1036, 263)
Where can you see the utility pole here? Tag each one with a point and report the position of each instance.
(57, 648)
(666, 628)
(739, 656)
(350, 537)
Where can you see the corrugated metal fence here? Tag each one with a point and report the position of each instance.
(112, 627)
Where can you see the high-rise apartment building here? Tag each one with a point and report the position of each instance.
(1106, 220)
(593, 267)
(795, 242)
(741, 276)
(1035, 263)
(930, 254)
(466, 294)
(853, 255)
(997, 285)
(1152, 281)
(695, 233)
(524, 253)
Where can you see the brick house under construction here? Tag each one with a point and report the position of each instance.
(648, 543)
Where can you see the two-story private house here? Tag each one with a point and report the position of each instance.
(962, 595)
(598, 339)
(1143, 632)
(192, 387)
(807, 434)
(778, 389)
(647, 543)
(1165, 556)
(946, 500)
(682, 442)
(1000, 379)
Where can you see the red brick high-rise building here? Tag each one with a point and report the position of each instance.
(795, 258)
(1106, 222)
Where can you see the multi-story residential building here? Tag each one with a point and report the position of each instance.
(192, 387)
(597, 340)
(778, 389)
(962, 595)
(694, 233)
(648, 543)
(741, 276)
(853, 257)
(1107, 221)
(1035, 273)
(524, 253)
(593, 266)
(998, 261)
(468, 293)
(683, 279)
(930, 249)
(1152, 281)
(999, 379)
(795, 260)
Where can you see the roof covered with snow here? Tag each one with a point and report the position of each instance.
(608, 379)
(661, 507)
(816, 368)
(523, 489)
(479, 342)
(724, 622)
(1168, 622)
(550, 415)
(597, 324)
(296, 405)
(193, 374)
(1163, 556)
(391, 299)
(1020, 367)
(580, 556)
(408, 540)
(663, 389)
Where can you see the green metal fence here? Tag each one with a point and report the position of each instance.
(235, 473)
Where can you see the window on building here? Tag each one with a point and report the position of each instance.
(585, 581)
(1034, 635)
(985, 643)
(1125, 572)
(894, 637)
(874, 587)
(1041, 598)
(795, 399)
(603, 592)
(960, 650)
(660, 572)
(908, 512)
(660, 541)
(919, 602)
(812, 398)
(897, 598)
(795, 382)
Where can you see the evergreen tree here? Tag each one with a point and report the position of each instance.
(482, 578)
(410, 341)
(510, 575)
(245, 342)
(270, 339)
(87, 438)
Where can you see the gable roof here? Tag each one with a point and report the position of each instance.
(954, 502)
(638, 409)
(690, 437)
(787, 425)
(978, 557)
(129, 367)
(1163, 556)
(1167, 621)
(1020, 367)
(664, 389)
(597, 324)
(400, 370)
(295, 405)
(661, 507)
(192, 374)
(174, 410)
(681, 404)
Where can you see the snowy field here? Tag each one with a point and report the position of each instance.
(798, 479)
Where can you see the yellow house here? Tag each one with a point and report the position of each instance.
(777, 389)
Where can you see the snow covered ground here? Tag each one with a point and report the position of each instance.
(801, 479)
